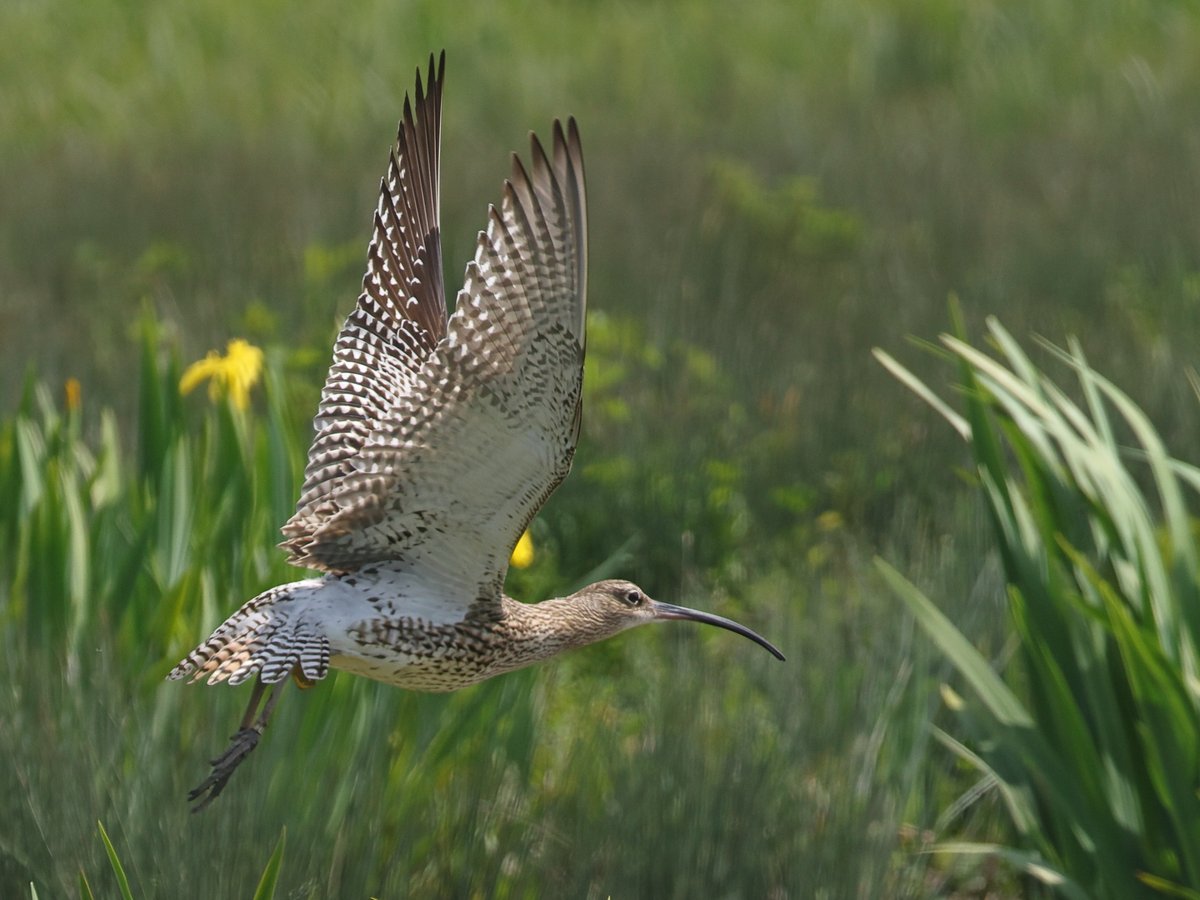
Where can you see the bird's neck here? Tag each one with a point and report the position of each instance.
(538, 631)
(550, 619)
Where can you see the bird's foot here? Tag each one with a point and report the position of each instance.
(224, 765)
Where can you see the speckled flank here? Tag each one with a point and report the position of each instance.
(415, 655)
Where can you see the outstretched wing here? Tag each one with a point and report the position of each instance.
(475, 442)
(398, 320)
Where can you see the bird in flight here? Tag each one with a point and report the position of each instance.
(437, 441)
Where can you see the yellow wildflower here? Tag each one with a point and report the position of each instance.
(232, 374)
(74, 394)
(522, 555)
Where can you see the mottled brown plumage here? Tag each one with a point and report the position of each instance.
(437, 441)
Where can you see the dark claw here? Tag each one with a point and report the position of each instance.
(224, 765)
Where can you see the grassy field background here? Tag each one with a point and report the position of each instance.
(775, 189)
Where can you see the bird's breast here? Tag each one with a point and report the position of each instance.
(415, 654)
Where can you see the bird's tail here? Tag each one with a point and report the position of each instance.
(268, 636)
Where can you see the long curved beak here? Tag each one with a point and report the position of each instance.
(671, 611)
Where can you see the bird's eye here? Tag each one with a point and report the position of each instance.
(633, 598)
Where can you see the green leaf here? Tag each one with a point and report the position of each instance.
(1169, 888)
(115, 862)
(994, 693)
(918, 387)
(270, 875)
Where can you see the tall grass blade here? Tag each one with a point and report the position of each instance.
(918, 387)
(995, 694)
(114, 860)
(270, 875)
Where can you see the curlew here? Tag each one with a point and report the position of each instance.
(437, 441)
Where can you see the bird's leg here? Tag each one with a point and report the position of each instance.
(240, 746)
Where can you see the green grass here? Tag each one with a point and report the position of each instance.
(1092, 739)
(773, 193)
(747, 776)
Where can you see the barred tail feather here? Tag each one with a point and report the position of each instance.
(267, 637)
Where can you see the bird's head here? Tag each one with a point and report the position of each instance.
(613, 606)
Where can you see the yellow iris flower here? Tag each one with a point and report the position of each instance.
(233, 374)
(522, 555)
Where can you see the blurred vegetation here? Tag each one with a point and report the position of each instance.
(773, 191)
(1095, 752)
(121, 559)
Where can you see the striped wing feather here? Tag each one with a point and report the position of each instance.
(398, 320)
(476, 432)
